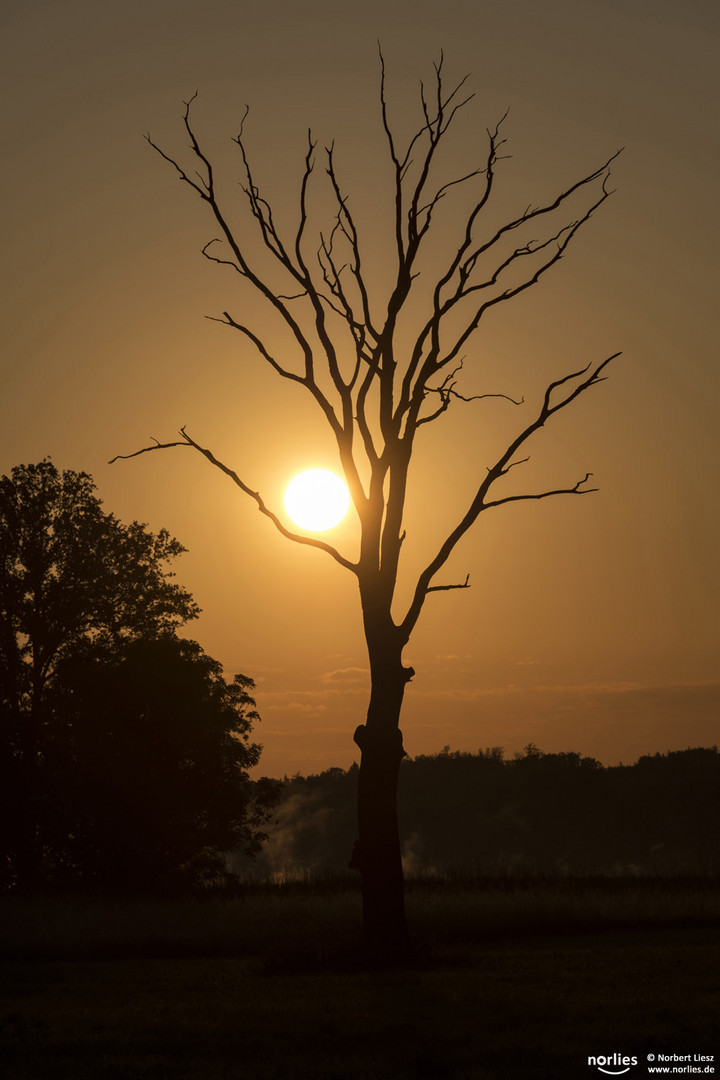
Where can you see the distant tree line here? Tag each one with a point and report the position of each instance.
(123, 750)
(536, 813)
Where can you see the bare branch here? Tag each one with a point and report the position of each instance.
(548, 208)
(352, 235)
(396, 162)
(501, 468)
(263, 214)
(432, 326)
(464, 264)
(204, 188)
(576, 489)
(447, 392)
(513, 465)
(146, 450)
(309, 541)
(446, 588)
(216, 259)
(227, 320)
(435, 128)
(481, 397)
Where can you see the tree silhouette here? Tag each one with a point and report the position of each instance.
(71, 576)
(376, 393)
(146, 761)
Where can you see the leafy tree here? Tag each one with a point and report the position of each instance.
(377, 390)
(81, 594)
(147, 756)
(71, 573)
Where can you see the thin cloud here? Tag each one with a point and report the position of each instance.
(346, 675)
(469, 693)
(284, 699)
(304, 707)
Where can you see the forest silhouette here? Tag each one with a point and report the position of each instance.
(536, 814)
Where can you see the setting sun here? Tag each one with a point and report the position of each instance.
(317, 500)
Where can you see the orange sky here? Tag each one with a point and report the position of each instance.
(591, 623)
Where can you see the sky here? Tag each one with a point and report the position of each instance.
(591, 623)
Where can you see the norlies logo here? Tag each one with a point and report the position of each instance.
(613, 1064)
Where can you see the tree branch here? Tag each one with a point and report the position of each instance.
(501, 468)
(462, 269)
(309, 541)
(227, 320)
(263, 214)
(446, 588)
(447, 392)
(577, 489)
(396, 163)
(351, 233)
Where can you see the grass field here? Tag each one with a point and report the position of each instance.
(512, 980)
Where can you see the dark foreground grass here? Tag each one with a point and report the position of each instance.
(289, 998)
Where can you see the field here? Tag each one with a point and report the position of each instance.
(512, 979)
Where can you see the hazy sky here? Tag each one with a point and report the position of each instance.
(592, 623)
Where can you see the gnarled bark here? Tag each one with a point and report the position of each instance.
(377, 852)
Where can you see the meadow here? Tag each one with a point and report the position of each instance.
(512, 978)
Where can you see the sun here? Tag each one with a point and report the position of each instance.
(317, 500)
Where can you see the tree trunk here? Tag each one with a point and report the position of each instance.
(377, 853)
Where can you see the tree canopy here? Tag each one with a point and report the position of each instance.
(72, 573)
(124, 752)
(147, 753)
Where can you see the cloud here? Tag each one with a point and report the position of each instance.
(346, 676)
(590, 689)
(665, 694)
(469, 693)
(284, 699)
(304, 707)
(613, 721)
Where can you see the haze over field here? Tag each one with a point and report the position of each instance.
(591, 624)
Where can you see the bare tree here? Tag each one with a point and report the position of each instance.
(376, 395)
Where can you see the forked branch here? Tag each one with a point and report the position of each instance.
(459, 287)
(501, 467)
